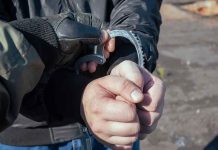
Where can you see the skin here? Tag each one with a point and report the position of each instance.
(119, 127)
(116, 114)
(149, 110)
(109, 47)
(109, 123)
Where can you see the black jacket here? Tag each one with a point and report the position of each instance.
(35, 101)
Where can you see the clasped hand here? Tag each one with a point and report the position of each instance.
(123, 106)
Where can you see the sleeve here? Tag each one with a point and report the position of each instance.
(7, 11)
(142, 17)
(20, 70)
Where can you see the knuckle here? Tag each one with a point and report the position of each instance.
(138, 79)
(92, 84)
(95, 108)
(125, 86)
(131, 113)
(96, 128)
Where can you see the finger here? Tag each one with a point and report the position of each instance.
(83, 67)
(148, 101)
(148, 129)
(106, 110)
(156, 93)
(130, 71)
(106, 54)
(147, 77)
(119, 140)
(123, 87)
(92, 66)
(110, 45)
(148, 118)
(104, 36)
(122, 129)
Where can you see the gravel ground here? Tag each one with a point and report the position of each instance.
(188, 50)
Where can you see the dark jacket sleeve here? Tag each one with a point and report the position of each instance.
(143, 18)
(20, 67)
(20, 70)
(7, 11)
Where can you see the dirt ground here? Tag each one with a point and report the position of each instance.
(188, 50)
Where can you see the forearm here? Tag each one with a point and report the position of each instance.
(137, 15)
(143, 19)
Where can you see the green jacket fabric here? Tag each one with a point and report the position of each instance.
(20, 71)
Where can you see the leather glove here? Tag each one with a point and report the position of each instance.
(61, 38)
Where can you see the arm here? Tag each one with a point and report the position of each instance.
(20, 70)
(110, 124)
(143, 18)
(149, 110)
(22, 62)
(20, 67)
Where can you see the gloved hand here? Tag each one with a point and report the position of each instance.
(61, 38)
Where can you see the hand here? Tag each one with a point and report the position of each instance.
(150, 109)
(112, 119)
(66, 36)
(108, 48)
(73, 35)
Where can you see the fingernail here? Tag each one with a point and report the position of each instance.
(137, 96)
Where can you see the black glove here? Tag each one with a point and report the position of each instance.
(60, 38)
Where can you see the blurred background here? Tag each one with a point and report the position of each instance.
(188, 64)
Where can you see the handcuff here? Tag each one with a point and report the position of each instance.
(98, 52)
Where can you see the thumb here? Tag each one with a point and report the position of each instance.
(131, 71)
(119, 86)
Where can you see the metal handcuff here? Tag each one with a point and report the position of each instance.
(98, 53)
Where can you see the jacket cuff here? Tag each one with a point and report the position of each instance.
(149, 47)
(135, 47)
